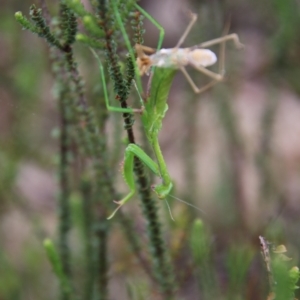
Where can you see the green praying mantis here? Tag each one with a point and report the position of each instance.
(162, 65)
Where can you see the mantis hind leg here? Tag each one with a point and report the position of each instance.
(108, 106)
(155, 23)
(162, 190)
(126, 38)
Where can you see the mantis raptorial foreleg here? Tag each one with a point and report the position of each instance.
(131, 151)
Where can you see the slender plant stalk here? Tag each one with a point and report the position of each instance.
(161, 262)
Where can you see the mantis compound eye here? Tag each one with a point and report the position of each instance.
(153, 187)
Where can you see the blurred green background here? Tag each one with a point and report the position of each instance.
(233, 151)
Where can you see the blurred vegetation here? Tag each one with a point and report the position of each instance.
(233, 152)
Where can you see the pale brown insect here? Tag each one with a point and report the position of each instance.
(178, 58)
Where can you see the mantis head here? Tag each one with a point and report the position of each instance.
(161, 190)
